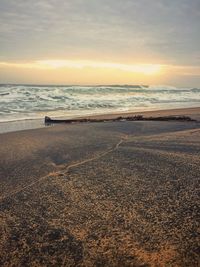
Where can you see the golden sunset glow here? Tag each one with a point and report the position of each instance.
(146, 69)
(59, 71)
(91, 72)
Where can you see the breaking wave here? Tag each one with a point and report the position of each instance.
(18, 102)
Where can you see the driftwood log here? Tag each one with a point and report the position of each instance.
(48, 120)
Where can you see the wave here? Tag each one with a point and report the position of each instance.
(22, 101)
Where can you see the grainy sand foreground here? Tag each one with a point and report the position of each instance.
(101, 194)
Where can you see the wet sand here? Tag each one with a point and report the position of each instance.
(101, 194)
(12, 126)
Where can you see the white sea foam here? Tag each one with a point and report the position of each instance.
(18, 102)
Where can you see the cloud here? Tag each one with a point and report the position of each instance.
(126, 31)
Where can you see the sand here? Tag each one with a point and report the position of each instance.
(28, 124)
(101, 194)
(194, 113)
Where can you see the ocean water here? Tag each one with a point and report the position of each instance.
(21, 102)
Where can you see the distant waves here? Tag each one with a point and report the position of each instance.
(18, 102)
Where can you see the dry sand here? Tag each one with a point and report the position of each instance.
(101, 194)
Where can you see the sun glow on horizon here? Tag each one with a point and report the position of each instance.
(145, 69)
(68, 71)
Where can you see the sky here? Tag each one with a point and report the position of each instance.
(100, 42)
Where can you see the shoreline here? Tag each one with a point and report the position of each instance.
(28, 124)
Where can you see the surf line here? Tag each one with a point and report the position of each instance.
(61, 173)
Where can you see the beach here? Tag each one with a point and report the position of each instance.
(102, 194)
(27, 124)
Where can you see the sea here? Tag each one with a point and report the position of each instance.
(29, 102)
